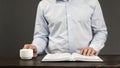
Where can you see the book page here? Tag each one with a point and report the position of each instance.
(79, 57)
(57, 57)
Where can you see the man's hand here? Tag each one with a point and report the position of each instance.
(88, 51)
(30, 46)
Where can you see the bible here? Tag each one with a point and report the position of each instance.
(70, 57)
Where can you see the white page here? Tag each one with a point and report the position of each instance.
(57, 57)
(79, 57)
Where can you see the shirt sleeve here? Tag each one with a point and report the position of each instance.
(41, 30)
(99, 28)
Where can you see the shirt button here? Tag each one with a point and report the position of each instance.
(65, 0)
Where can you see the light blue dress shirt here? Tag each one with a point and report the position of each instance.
(69, 26)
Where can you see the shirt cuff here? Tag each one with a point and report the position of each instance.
(96, 47)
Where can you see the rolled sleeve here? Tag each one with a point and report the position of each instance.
(99, 28)
(41, 30)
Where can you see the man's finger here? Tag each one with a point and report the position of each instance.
(31, 47)
(84, 51)
(96, 54)
(92, 53)
(34, 49)
(81, 52)
(88, 52)
(26, 46)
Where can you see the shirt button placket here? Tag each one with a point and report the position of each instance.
(69, 22)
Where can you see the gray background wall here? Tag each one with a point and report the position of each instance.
(17, 19)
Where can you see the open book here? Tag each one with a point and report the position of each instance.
(70, 57)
